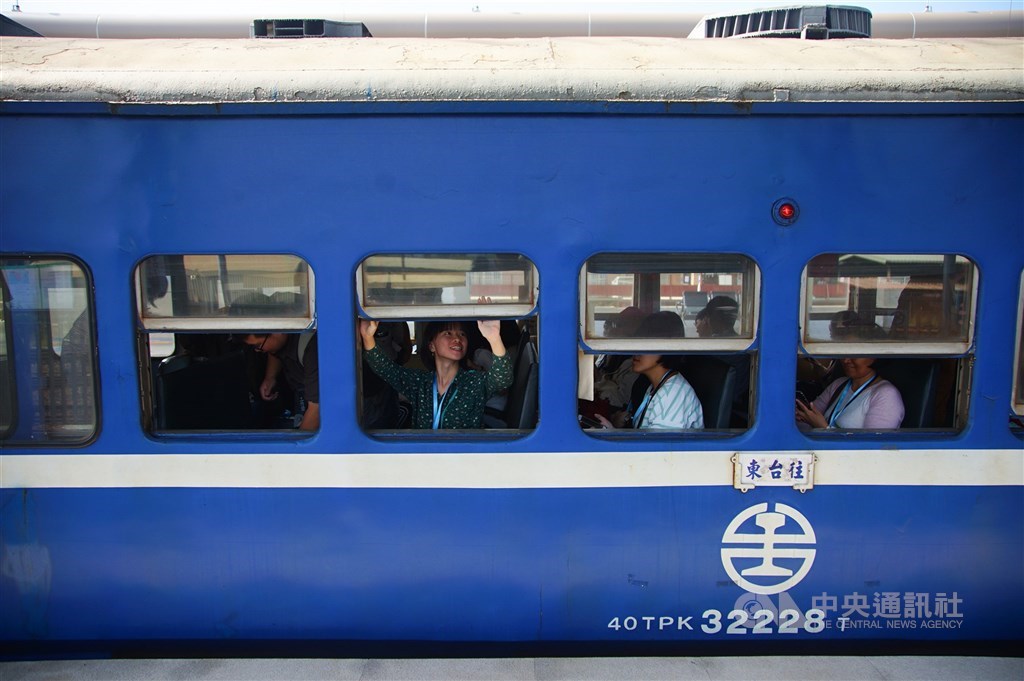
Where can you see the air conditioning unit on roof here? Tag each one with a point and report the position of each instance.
(810, 22)
(307, 28)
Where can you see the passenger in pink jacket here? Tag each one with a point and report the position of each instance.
(862, 400)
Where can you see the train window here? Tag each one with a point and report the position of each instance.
(229, 343)
(48, 355)
(447, 285)
(690, 319)
(7, 412)
(196, 292)
(1018, 381)
(887, 302)
(896, 329)
(428, 364)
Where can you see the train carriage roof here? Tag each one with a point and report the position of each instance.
(496, 70)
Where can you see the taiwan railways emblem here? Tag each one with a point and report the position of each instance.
(768, 552)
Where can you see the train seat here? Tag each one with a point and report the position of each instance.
(714, 381)
(198, 393)
(916, 379)
(521, 409)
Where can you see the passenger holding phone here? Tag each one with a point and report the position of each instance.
(862, 400)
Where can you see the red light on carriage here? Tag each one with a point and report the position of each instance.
(785, 212)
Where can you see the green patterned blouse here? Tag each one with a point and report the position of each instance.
(464, 402)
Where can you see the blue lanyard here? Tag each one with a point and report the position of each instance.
(639, 415)
(837, 410)
(442, 404)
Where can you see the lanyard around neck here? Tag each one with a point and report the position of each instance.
(639, 416)
(440, 404)
(839, 407)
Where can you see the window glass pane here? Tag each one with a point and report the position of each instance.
(7, 413)
(219, 286)
(1018, 397)
(712, 293)
(888, 298)
(48, 352)
(417, 280)
(445, 294)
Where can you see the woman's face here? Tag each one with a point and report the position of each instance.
(450, 344)
(703, 325)
(857, 367)
(642, 363)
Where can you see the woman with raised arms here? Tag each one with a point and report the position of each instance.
(446, 394)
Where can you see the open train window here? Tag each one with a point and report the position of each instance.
(48, 375)
(1017, 418)
(428, 364)
(227, 343)
(667, 342)
(886, 342)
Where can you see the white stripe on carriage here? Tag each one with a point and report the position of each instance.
(930, 467)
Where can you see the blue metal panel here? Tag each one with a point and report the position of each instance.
(474, 565)
(504, 565)
(557, 189)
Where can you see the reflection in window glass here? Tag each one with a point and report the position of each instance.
(1020, 374)
(1018, 401)
(212, 286)
(887, 298)
(447, 279)
(7, 414)
(710, 292)
(47, 310)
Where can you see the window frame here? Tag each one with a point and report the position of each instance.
(1016, 396)
(596, 346)
(464, 312)
(11, 376)
(710, 347)
(959, 351)
(449, 310)
(224, 323)
(89, 288)
(903, 347)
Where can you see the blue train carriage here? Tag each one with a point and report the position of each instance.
(162, 203)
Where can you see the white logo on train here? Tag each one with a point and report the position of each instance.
(768, 561)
